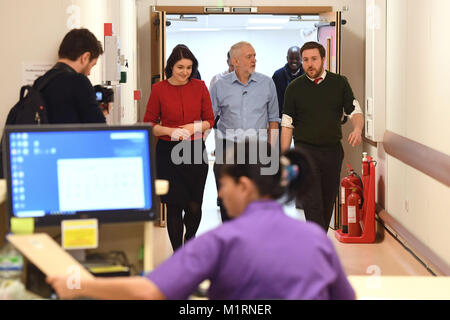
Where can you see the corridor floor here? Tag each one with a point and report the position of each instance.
(385, 257)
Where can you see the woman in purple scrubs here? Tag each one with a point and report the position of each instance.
(261, 254)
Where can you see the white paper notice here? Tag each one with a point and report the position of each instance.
(31, 71)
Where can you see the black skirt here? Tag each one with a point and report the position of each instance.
(185, 165)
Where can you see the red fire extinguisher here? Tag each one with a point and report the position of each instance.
(365, 165)
(347, 183)
(354, 210)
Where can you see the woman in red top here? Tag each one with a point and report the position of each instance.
(180, 110)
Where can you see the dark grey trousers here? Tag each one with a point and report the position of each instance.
(323, 182)
(220, 159)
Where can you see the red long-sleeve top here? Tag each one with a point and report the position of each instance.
(174, 106)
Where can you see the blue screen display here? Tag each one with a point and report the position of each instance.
(66, 172)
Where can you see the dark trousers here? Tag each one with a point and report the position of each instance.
(186, 188)
(323, 182)
(220, 160)
(176, 222)
(223, 211)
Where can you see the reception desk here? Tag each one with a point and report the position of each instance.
(129, 237)
(401, 287)
(125, 237)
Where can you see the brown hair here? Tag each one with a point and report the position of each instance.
(180, 52)
(313, 45)
(78, 41)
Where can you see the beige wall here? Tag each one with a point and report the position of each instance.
(418, 108)
(31, 32)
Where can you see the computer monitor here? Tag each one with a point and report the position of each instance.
(60, 172)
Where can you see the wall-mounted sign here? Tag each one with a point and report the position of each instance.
(31, 71)
(74, 20)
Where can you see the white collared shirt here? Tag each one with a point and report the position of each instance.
(323, 75)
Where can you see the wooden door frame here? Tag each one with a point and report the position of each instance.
(305, 10)
(322, 11)
(200, 10)
(269, 10)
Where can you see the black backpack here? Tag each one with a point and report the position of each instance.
(30, 109)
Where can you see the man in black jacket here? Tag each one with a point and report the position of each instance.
(70, 97)
(283, 76)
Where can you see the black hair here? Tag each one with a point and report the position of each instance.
(78, 41)
(273, 185)
(180, 52)
(313, 45)
(293, 49)
(299, 183)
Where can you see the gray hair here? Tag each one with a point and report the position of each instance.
(236, 48)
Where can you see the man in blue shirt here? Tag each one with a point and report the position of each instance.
(246, 103)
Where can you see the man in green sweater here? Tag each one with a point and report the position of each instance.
(312, 112)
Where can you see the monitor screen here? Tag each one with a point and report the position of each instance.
(59, 172)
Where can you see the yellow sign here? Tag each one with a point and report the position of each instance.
(22, 225)
(79, 234)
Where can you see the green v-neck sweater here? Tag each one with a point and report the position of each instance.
(316, 109)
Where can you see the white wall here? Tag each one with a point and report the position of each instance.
(128, 36)
(31, 32)
(418, 108)
(213, 60)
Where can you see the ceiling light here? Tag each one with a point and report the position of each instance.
(305, 18)
(268, 20)
(182, 18)
(199, 29)
(264, 28)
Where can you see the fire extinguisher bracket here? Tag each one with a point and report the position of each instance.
(358, 205)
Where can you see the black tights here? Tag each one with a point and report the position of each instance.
(175, 222)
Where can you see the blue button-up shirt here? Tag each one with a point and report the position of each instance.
(249, 107)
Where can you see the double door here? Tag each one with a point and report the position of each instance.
(329, 34)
